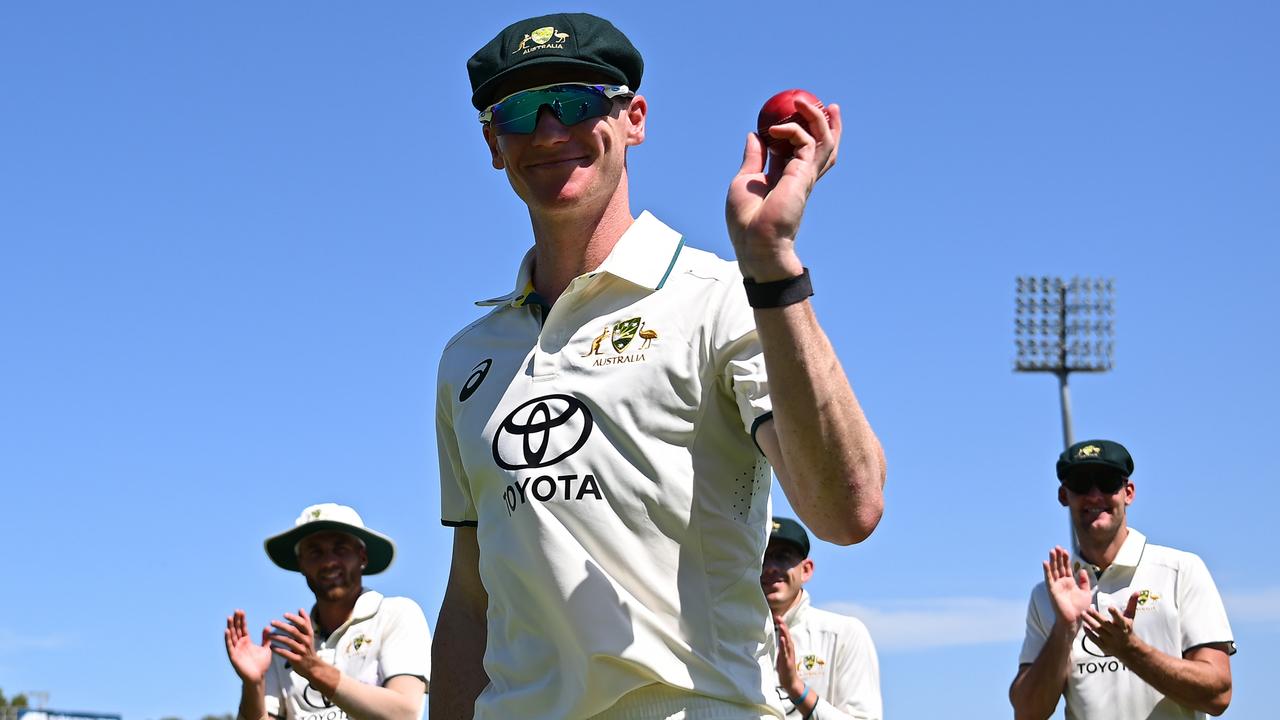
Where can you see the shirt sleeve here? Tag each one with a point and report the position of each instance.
(406, 641)
(1037, 629)
(855, 684)
(1201, 613)
(739, 355)
(456, 504)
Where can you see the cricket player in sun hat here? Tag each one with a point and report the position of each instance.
(1126, 629)
(606, 430)
(357, 653)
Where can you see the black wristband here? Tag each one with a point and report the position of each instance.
(778, 293)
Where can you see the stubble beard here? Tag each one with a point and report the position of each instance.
(332, 590)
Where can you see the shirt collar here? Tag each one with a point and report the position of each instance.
(1131, 550)
(366, 607)
(1128, 556)
(644, 256)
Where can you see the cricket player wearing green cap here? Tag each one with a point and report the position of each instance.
(1126, 629)
(603, 431)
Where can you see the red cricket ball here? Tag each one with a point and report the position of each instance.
(781, 108)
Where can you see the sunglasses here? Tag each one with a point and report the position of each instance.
(571, 103)
(1108, 483)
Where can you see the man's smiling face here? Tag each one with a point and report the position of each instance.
(333, 563)
(559, 167)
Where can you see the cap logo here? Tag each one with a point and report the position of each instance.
(1088, 451)
(543, 38)
(777, 526)
(315, 514)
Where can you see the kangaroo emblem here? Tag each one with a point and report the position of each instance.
(595, 344)
(523, 43)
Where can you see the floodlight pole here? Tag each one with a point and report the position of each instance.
(1049, 326)
(1064, 393)
(1064, 327)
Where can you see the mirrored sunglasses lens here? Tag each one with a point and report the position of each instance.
(518, 114)
(582, 105)
(571, 105)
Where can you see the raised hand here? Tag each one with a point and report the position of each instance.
(249, 659)
(764, 208)
(788, 672)
(294, 640)
(1068, 591)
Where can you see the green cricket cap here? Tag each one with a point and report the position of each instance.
(787, 530)
(1094, 454)
(574, 41)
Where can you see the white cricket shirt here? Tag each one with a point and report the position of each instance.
(1178, 609)
(835, 656)
(603, 449)
(385, 637)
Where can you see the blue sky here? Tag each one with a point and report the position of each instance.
(235, 236)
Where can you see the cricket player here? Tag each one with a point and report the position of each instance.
(606, 430)
(1126, 629)
(357, 654)
(827, 665)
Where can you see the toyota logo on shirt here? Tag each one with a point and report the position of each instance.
(313, 698)
(542, 432)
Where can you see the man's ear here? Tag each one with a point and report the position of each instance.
(1062, 495)
(636, 112)
(806, 570)
(1129, 491)
(491, 139)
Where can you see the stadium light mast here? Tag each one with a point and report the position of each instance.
(1061, 327)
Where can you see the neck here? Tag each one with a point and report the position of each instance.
(1102, 551)
(795, 601)
(569, 244)
(330, 614)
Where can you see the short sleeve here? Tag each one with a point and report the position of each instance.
(739, 356)
(1037, 628)
(406, 641)
(1201, 613)
(456, 504)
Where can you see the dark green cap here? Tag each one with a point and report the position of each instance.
(1095, 453)
(788, 530)
(574, 41)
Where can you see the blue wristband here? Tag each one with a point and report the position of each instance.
(800, 701)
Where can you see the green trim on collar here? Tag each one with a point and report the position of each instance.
(674, 256)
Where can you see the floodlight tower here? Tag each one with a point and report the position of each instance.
(1063, 327)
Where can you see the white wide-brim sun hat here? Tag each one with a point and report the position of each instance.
(283, 548)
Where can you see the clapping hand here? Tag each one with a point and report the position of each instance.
(249, 659)
(1069, 591)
